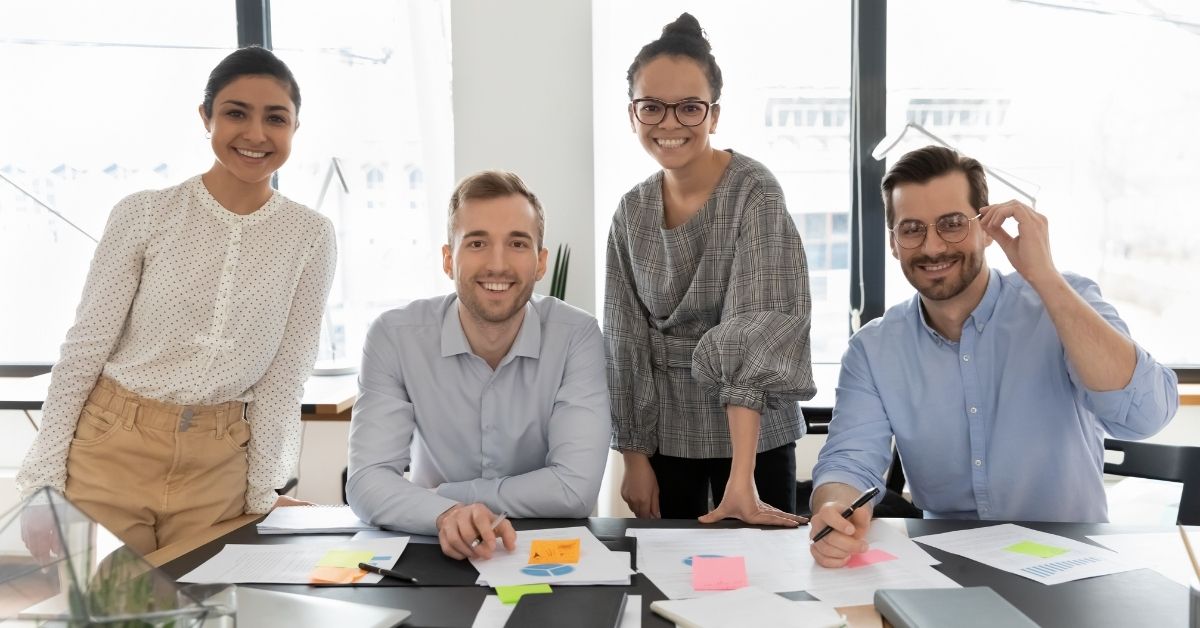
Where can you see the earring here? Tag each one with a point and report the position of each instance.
(208, 135)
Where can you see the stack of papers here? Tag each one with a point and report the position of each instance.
(291, 563)
(779, 561)
(590, 563)
(750, 606)
(312, 520)
(1161, 551)
(1039, 556)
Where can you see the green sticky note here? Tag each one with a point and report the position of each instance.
(510, 595)
(1036, 549)
(345, 558)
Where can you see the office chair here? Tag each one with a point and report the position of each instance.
(1171, 463)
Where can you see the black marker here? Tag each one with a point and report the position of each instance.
(867, 496)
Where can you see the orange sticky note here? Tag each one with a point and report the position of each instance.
(554, 551)
(719, 573)
(336, 575)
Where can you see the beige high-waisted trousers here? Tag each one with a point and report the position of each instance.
(154, 473)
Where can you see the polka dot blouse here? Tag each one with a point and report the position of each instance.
(189, 303)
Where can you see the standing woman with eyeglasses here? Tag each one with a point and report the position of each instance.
(706, 308)
(175, 402)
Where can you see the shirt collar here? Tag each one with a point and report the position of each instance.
(979, 316)
(528, 342)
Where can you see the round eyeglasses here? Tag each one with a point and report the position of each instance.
(952, 228)
(653, 111)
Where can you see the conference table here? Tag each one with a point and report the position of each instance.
(1134, 598)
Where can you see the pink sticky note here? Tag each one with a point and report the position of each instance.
(718, 574)
(869, 557)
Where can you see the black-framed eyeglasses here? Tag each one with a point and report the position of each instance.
(952, 228)
(653, 111)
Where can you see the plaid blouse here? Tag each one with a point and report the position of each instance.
(713, 312)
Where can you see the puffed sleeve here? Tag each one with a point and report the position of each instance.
(759, 357)
(632, 394)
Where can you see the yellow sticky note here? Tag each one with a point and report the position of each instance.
(345, 558)
(510, 595)
(554, 551)
(1030, 548)
(336, 575)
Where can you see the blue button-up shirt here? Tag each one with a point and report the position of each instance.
(994, 426)
(529, 438)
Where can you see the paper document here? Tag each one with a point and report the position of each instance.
(1161, 551)
(419, 539)
(1039, 556)
(493, 613)
(597, 564)
(290, 563)
(750, 606)
(780, 561)
(312, 520)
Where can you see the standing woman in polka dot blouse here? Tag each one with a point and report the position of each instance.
(175, 403)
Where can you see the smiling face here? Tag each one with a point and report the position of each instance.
(940, 271)
(252, 124)
(673, 79)
(493, 257)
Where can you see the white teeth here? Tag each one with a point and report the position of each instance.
(496, 287)
(673, 143)
(936, 268)
(250, 153)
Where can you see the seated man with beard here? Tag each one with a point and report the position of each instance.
(998, 388)
(498, 400)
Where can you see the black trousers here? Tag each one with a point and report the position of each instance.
(684, 483)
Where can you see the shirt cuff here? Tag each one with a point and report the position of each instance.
(260, 500)
(1113, 405)
(839, 476)
(743, 396)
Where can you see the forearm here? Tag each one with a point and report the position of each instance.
(382, 496)
(1103, 357)
(545, 493)
(743, 437)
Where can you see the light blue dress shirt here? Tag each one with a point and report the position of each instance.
(530, 438)
(995, 426)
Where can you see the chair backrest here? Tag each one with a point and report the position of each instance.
(1172, 463)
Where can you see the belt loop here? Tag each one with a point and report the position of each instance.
(131, 410)
(222, 422)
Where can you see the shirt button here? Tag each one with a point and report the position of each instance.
(966, 358)
(973, 410)
(978, 463)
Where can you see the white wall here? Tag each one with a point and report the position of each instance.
(523, 102)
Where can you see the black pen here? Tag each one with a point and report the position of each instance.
(387, 572)
(867, 496)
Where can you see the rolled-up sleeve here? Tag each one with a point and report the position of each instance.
(1148, 402)
(578, 434)
(858, 449)
(631, 387)
(759, 356)
(381, 435)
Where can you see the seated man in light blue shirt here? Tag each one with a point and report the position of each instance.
(998, 388)
(496, 399)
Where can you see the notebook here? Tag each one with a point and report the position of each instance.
(263, 608)
(748, 606)
(977, 607)
(570, 608)
(312, 520)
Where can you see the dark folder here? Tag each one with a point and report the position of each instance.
(977, 607)
(570, 607)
